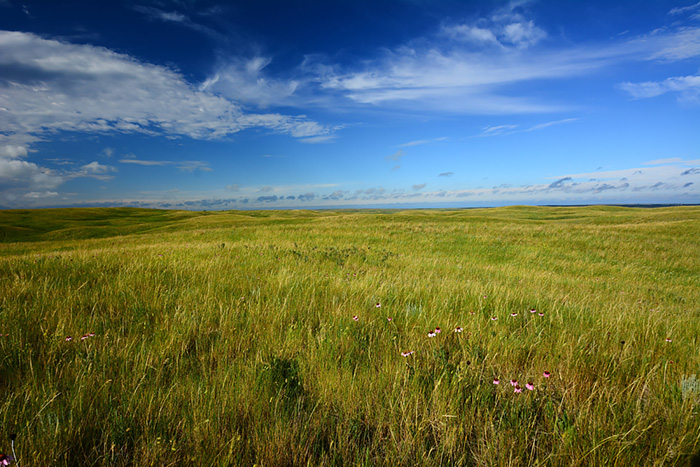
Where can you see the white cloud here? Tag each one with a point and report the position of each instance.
(177, 18)
(668, 160)
(146, 163)
(542, 126)
(96, 170)
(672, 45)
(523, 34)
(245, 81)
(49, 86)
(186, 166)
(470, 33)
(687, 85)
(319, 139)
(694, 10)
(422, 141)
(498, 130)
(18, 178)
(504, 28)
(12, 151)
(666, 170)
(476, 67)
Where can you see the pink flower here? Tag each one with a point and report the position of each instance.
(438, 330)
(355, 318)
(530, 386)
(518, 389)
(496, 381)
(513, 382)
(546, 374)
(406, 354)
(69, 338)
(6, 459)
(532, 310)
(514, 314)
(389, 319)
(85, 336)
(471, 312)
(668, 339)
(431, 334)
(458, 329)
(493, 318)
(540, 314)
(378, 305)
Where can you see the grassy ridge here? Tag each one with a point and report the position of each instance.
(228, 338)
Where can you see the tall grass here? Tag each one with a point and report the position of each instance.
(228, 338)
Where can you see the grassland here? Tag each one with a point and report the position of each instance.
(230, 338)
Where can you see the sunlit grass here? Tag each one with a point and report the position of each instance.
(229, 339)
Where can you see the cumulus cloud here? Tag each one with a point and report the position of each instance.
(52, 85)
(18, 177)
(307, 197)
(96, 170)
(504, 28)
(336, 195)
(12, 151)
(48, 86)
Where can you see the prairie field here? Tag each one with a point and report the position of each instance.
(133, 337)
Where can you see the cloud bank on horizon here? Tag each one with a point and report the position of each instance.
(219, 106)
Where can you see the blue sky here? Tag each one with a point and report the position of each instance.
(307, 104)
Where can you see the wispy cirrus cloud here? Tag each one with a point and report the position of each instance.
(186, 166)
(475, 67)
(694, 10)
(509, 129)
(244, 80)
(177, 17)
(688, 88)
(422, 141)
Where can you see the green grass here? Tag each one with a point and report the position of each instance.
(227, 338)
